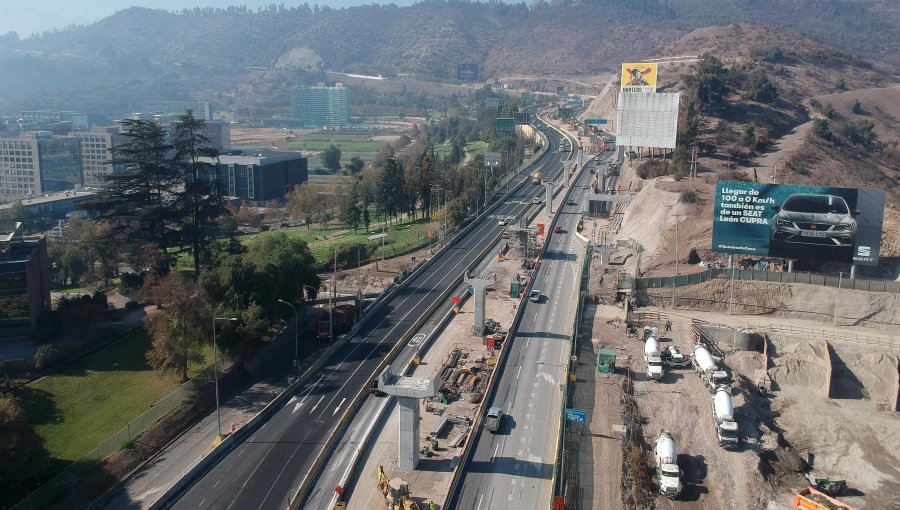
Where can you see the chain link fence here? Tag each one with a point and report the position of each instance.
(827, 280)
(64, 485)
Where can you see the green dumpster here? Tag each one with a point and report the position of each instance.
(606, 361)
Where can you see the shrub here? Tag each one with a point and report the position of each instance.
(733, 175)
(130, 281)
(689, 196)
(857, 107)
(653, 168)
(132, 305)
(45, 356)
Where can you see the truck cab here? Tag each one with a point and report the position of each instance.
(727, 434)
(654, 368)
(669, 480)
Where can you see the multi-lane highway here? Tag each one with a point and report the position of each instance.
(513, 468)
(266, 470)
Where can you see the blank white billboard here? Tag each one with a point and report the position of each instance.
(647, 120)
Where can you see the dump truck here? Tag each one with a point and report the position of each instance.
(536, 178)
(812, 499)
(667, 465)
(727, 433)
(653, 359)
(707, 368)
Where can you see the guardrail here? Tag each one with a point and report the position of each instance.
(827, 280)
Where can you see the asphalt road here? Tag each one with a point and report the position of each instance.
(266, 470)
(513, 467)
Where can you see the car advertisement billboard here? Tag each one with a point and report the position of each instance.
(639, 78)
(798, 222)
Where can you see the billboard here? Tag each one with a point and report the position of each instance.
(639, 78)
(798, 222)
(647, 120)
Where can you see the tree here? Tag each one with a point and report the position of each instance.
(179, 325)
(331, 158)
(355, 165)
(138, 201)
(350, 210)
(391, 189)
(748, 135)
(22, 455)
(857, 107)
(201, 200)
(304, 203)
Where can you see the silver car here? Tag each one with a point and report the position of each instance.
(823, 220)
(493, 419)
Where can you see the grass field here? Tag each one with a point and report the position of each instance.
(473, 148)
(351, 144)
(75, 409)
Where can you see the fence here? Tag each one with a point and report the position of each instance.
(827, 280)
(64, 485)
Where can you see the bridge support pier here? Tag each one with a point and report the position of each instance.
(479, 287)
(408, 390)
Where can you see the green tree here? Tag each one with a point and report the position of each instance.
(355, 165)
(137, 202)
(331, 158)
(22, 455)
(304, 203)
(350, 210)
(748, 135)
(391, 189)
(201, 200)
(181, 322)
(857, 107)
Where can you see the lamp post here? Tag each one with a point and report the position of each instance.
(296, 329)
(216, 369)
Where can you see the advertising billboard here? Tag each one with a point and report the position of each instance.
(647, 120)
(798, 222)
(639, 78)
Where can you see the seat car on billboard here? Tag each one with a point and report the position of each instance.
(639, 78)
(798, 222)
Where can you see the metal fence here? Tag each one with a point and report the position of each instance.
(827, 280)
(65, 485)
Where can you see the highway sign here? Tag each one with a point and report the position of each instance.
(506, 125)
(596, 121)
(492, 159)
(492, 102)
(576, 415)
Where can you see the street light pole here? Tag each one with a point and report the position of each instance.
(296, 329)
(216, 369)
(677, 219)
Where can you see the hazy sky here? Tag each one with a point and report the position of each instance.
(46, 14)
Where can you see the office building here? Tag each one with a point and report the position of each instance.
(95, 155)
(19, 167)
(24, 280)
(59, 161)
(321, 106)
(261, 177)
(201, 109)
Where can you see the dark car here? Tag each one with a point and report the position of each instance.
(823, 220)
(557, 229)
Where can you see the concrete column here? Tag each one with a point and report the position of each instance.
(479, 286)
(790, 265)
(730, 261)
(408, 453)
(548, 196)
(852, 271)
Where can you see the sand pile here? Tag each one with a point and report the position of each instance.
(650, 215)
(871, 375)
(801, 364)
(745, 363)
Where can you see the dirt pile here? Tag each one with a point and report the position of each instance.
(867, 375)
(649, 215)
(801, 365)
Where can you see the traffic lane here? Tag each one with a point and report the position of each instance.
(260, 482)
(511, 463)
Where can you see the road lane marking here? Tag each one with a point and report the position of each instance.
(339, 406)
(495, 452)
(317, 404)
(518, 371)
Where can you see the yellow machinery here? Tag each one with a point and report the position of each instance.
(396, 492)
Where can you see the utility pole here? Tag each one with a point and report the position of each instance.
(333, 297)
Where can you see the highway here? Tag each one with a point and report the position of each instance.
(513, 467)
(266, 470)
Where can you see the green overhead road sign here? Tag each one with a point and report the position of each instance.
(596, 121)
(506, 125)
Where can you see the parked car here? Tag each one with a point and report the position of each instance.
(493, 419)
(824, 220)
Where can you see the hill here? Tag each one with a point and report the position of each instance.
(117, 63)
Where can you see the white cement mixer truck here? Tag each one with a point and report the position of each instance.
(727, 433)
(667, 466)
(707, 368)
(653, 358)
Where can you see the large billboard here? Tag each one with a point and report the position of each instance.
(798, 222)
(647, 120)
(639, 78)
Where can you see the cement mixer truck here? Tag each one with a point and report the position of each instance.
(667, 466)
(707, 368)
(653, 358)
(723, 411)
